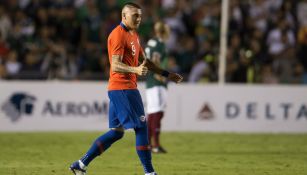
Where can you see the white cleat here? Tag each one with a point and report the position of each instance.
(76, 168)
(153, 173)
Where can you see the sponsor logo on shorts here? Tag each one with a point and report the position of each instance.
(143, 118)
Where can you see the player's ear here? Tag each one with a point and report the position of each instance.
(124, 15)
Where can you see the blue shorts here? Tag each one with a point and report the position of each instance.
(126, 109)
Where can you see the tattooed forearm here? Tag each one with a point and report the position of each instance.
(119, 66)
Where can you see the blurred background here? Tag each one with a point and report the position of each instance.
(66, 39)
(215, 122)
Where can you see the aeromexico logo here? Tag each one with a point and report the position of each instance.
(17, 105)
(21, 104)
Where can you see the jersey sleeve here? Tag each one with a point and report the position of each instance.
(117, 43)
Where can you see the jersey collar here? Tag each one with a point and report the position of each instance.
(123, 26)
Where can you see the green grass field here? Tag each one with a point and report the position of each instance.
(189, 154)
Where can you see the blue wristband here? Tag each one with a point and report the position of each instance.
(165, 73)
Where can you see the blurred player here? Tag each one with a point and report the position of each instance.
(156, 85)
(126, 109)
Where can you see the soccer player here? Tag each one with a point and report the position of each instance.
(156, 85)
(126, 109)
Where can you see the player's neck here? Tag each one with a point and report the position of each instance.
(123, 25)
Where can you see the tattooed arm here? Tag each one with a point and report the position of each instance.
(118, 66)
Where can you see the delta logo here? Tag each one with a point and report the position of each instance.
(206, 113)
(18, 104)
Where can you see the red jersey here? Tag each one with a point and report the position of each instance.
(122, 42)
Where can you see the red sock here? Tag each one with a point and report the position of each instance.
(156, 127)
(150, 127)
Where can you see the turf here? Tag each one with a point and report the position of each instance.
(189, 154)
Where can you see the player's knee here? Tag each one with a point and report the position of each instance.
(121, 129)
(141, 131)
(118, 133)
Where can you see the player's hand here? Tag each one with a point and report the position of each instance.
(175, 77)
(142, 69)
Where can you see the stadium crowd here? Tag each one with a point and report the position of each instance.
(66, 39)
